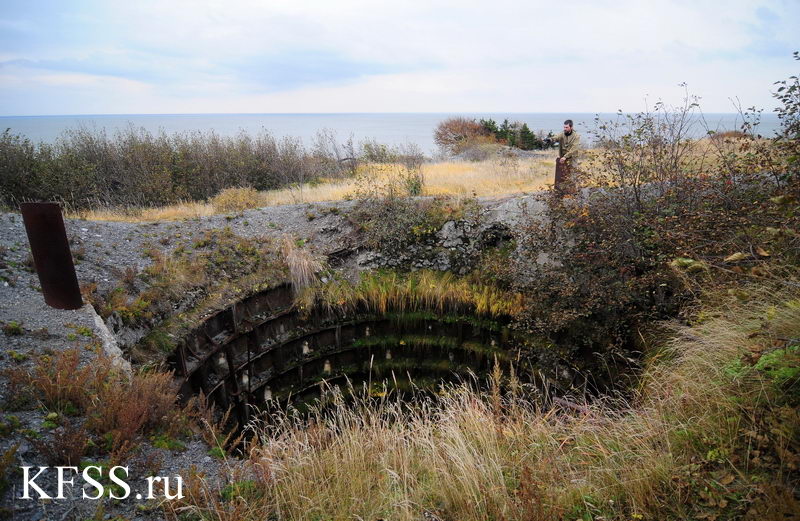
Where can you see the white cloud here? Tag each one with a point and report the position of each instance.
(190, 56)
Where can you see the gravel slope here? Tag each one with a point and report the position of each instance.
(104, 250)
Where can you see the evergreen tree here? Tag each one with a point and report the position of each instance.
(505, 132)
(527, 140)
(490, 126)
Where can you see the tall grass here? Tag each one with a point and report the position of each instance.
(303, 265)
(470, 455)
(492, 177)
(384, 291)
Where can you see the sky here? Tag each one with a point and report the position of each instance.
(275, 56)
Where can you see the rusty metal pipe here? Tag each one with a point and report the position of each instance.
(51, 255)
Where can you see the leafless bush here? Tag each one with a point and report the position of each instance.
(334, 158)
(654, 148)
(454, 134)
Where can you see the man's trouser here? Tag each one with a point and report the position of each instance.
(565, 180)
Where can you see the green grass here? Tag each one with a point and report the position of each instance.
(382, 292)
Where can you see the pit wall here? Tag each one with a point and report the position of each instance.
(262, 349)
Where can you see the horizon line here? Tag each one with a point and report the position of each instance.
(325, 113)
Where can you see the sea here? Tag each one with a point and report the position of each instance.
(387, 128)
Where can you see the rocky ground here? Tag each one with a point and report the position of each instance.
(103, 250)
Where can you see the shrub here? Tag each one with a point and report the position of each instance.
(135, 168)
(479, 148)
(119, 408)
(125, 408)
(236, 199)
(66, 447)
(453, 135)
(788, 94)
(667, 216)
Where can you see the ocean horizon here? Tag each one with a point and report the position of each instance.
(391, 128)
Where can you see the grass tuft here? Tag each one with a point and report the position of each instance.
(235, 200)
(303, 266)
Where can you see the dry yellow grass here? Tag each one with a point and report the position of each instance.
(492, 178)
(473, 455)
(175, 212)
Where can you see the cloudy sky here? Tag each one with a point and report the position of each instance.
(248, 56)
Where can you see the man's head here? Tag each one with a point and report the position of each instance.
(568, 127)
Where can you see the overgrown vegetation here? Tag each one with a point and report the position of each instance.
(389, 223)
(498, 175)
(478, 139)
(197, 277)
(118, 409)
(134, 168)
(703, 231)
(672, 216)
(698, 440)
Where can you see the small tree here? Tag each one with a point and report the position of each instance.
(527, 139)
(506, 133)
(490, 126)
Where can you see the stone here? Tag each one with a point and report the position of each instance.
(450, 235)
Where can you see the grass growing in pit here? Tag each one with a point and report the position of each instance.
(383, 291)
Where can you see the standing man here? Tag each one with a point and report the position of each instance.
(567, 162)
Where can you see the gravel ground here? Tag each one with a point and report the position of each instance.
(104, 250)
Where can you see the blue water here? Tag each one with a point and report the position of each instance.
(391, 129)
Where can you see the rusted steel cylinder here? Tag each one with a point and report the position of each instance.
(51, 255)
(564, 183)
